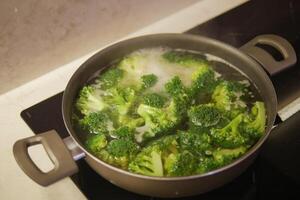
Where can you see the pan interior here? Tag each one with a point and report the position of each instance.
(104, 58)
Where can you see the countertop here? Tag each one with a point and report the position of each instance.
(14, 184)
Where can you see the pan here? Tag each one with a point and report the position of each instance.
(253, 60)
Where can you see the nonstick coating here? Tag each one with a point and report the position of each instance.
(171, 186)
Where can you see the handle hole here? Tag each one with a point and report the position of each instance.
(40, 158)
(277, 55)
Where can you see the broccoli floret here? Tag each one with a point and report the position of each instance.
(119, 152)
(207, 164)
(133, 67)
(203, 81)
(180, 164)
(90, 100)
(96, 123)
(121, 99)
(187, 59)
(124, 132)
(228, 97)
(254, 124)
(198, 144)
(148, 162)
(175, 87)
(110, 78)
(154, 100)
(131, 122)
(122, 147)
(230, 136)
(219, 158)
(204, 115)
(96, 142)
(181, 97)
(226, 156)
(148, 81)
(157, 121)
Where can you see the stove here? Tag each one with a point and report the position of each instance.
(275, 173)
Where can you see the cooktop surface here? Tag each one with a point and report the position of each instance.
(275, 173)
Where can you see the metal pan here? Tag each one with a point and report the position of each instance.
(249, 59)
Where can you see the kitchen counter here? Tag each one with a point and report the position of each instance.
(14, 184)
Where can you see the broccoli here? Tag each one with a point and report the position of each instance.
(203, 78)
(122, 147)
(203, 81)
(131, 122)
(124, 132)
(228, 97)
(121, 99)
(175, 87)
(148, 81)
(254, 123)
(148, 162)
(204, 115)
(119, 152)
(96, 142)
(198, 144)
(133, 66)
(207, 164)
(90, 100)
(154, 100)
(157, 121)
(187, 59)
(167, 126)
(219, 158)
(110, 78)
(230, 136)
(226, 156)
(180, 164)
(96, 123)
(181, 97)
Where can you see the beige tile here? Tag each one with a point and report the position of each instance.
(39, 36)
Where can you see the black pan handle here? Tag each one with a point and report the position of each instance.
(266, 59)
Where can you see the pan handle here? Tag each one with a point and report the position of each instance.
(266, 59)
(61, 157)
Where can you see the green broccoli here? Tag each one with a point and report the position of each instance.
(187, 59)
(230, 136)
(228, 97)
(96, 123)
(148, 81)
(121, 99)
(219, 158)
(110, 78)
(90, 100)
(197, 143)
(154, 100)
(124, 132)
(180, 164)
(226, 156)
(181, 97)
(148, 162)
(203, 81)
(254, 124)
(119, 152)
(130, 121)
(95, 143)
(157, 121)
(204, 115)
(133, 66)
(207, 164)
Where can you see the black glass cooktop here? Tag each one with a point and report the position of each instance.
(276, 172)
